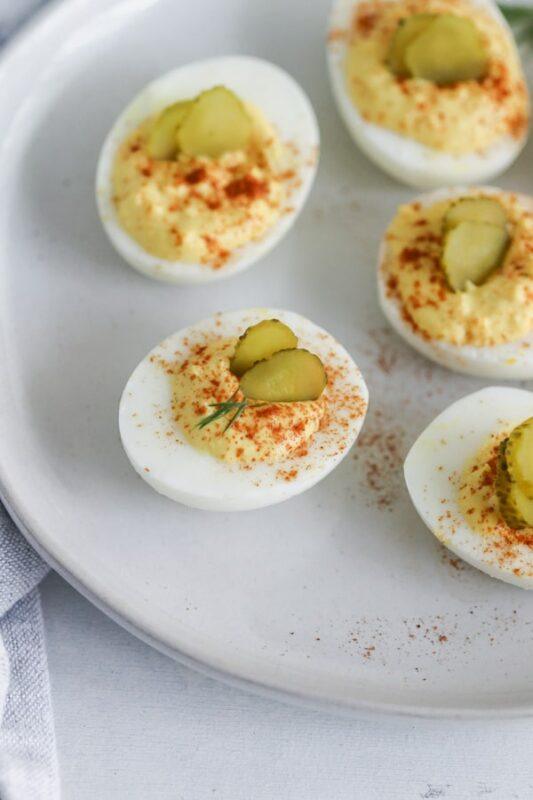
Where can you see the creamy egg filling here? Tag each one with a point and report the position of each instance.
(497, 311)
(461, 118)
(264, 433)
(199, 209)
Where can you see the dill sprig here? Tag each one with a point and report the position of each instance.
(520, 18)
(231, 406)
(222, 410)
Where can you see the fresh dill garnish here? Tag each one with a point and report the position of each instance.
(222, 410)
(520, 18)
(228, 407)
(234, 407)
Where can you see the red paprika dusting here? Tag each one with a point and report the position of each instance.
(287, 475)
(247, 186)
(196, 175)
(410, 254)
(336, 35)
(379, 456)
(203, 182)
(418, 256)
(366, 22)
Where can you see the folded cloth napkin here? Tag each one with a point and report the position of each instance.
(28, 762)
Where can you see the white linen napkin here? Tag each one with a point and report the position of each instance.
(28, 761)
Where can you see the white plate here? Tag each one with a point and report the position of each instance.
(339, 596)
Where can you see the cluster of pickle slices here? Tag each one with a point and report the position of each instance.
(515, 476)
(475, 241)
(442, 48)
(213, 123)
(271, 369)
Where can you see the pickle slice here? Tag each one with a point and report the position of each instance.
(259, 342)
(450, 49)
(406, 32)
(475, 209)
(516, 508)
(217, 123)
(162, 138)
(519, 456)
(472, 250)
(288, 376)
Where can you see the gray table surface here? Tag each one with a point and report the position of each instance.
(133, 725)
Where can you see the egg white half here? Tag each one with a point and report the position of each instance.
(441, 452)
(407, 160)
(284, 105)
(511, 361)
(173, 467)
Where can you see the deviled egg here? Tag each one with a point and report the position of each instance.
(455, 278)
(470, 477)
(432, 91)
(207, 168)
(242, 410)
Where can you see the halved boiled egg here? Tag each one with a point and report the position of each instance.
(455, 280)
(207, 169)
(432, 91)
(242, 410)
(470, 477)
